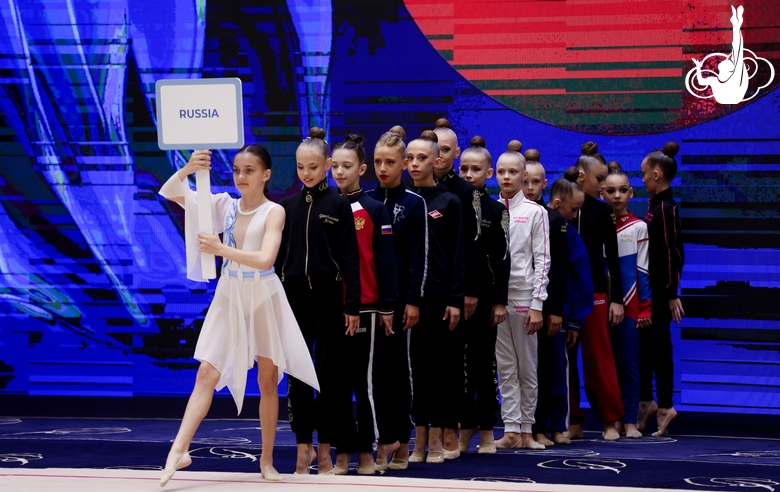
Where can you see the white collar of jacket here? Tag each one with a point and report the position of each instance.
(511, 203)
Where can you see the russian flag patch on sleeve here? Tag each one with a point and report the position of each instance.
(387, 229)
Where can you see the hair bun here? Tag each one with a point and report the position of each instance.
(354, 138)
(514, 146)
(443, 123)
(531, 155)
(429, 135)
(671, 148)
(477, 141)
(398, 130)
(589, 148)
(316, 132)
(572, 174)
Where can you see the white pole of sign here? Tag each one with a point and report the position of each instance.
(182, 127)
(205, 225)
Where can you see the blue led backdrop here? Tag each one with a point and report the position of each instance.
(93, 295)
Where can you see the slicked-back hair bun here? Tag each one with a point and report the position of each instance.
(589, 148)
(394, 139)
(429, 135)
(354, 143)
(572, 174)
(614, 166)
(316, 132)
(564, 187)
(664, 158)
(316, 139)
(531, 155)
(443, 123)
(514, 146)
(478, 148)
(398, 130)
(671, 148)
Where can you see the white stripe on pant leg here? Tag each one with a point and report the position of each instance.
(508, 377)
(568, 403)
(370, 376)
(409, 365)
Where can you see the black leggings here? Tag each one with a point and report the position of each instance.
(655, 355)
(480, 403)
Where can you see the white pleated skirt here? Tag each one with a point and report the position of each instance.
(250, 317)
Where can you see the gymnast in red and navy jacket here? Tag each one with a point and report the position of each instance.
(379, 292)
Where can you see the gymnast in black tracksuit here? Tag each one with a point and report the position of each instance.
(480, 405)
(318, 264)
(436, 373)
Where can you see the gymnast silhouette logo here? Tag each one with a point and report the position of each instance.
(730, 84)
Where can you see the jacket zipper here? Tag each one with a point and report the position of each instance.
(338, 270)
(286, 257)
(308, 215)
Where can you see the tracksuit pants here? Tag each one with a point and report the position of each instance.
(437, 370)
(552, 409)
(480, 402)
(356, 377)
(516, 360)
(319, 313)
(392, 382)
(601, 385)
(655, 354)
(625, 347)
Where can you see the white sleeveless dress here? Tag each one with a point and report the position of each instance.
(250, 316)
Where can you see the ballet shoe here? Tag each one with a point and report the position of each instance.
(399, 464)
(435, 457)
(633, 434)
(417, 456)
(367, 469)
(508, 442)
(340, 470)
(332, 471)
(663, 427)
(451, 455)
(532, 445)
(465, 438)
(271, 475)
(561, 439)
(487, 447)
(381, 466)
(646, 410)
(168, 472)
(542, 439)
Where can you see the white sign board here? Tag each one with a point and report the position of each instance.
(199, 114)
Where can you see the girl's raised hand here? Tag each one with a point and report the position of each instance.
(200, 160)
(209, 244)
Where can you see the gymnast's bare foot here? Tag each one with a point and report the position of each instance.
(527, 442)
(665, 417)
(574, 432)
(632, 432)
(509, 441)
(610, 432)
(306, 456)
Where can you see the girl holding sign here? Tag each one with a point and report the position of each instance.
(249, 318)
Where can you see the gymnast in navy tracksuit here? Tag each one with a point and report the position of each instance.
(379, 293)
(552, 408)
(437, 374)
(481, 397)
(392, 387)
(318, 264)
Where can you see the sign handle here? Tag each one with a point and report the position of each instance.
(205, 224)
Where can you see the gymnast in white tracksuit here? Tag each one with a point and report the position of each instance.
(516, 344)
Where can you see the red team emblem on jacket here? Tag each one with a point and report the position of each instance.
(435, 214)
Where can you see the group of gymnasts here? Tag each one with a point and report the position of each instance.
(425, 298)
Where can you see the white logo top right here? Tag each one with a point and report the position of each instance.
(730, 83)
